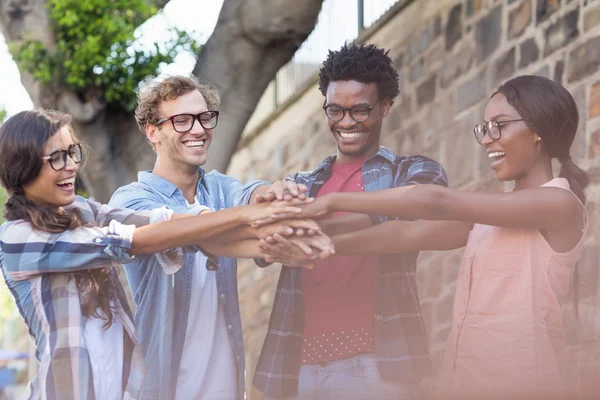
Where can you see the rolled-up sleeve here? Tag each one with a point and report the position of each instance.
(28, 252)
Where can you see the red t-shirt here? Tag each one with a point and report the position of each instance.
(339, 294)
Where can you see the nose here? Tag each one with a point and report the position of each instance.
(486, 140)
(346, 122)
(71, 165)
(197, 127)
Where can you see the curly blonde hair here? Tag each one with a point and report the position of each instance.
(171, 87)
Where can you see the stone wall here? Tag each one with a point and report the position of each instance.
(451, 55)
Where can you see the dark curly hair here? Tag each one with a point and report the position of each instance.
(364, 63)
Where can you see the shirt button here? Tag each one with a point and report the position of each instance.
(229, 326)
(97, 240)
(222, 295)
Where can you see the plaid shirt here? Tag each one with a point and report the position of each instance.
(401, 346)
(38, 268)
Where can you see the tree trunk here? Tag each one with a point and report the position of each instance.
(252, 40)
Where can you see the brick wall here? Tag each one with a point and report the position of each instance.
(451, 55)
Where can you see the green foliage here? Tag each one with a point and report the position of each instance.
(94, 48)
(2, 115)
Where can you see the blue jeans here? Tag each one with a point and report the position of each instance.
(355, 378)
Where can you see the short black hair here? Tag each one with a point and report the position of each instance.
(364, 63)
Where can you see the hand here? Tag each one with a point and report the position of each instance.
(264, 211)
(296, 251)
(319, 208)
(280, 190)
(289, 227)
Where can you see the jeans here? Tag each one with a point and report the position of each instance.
(355, 378)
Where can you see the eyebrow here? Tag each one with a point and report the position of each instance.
(55, 149)
(495, 117)
(354, 105)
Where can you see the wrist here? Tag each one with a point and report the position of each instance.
(331, 202)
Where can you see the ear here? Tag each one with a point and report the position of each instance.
(152, 133)
(386, 104)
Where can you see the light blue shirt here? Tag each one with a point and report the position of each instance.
(163, 301)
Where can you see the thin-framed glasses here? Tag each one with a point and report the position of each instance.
(58, 159)
(359, 113)
(490, 128)
(183, 123)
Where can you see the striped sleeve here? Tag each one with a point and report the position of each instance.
(28, 252)
(419, 170)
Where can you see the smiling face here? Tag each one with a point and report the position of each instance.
(50, 187)
(187, 150)
(518, 153)
(356, 140)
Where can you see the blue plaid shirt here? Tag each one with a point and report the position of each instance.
(401, 345)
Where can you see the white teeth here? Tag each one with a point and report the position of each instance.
(496, 154)
(351, 135)
(195, 143)
(66, 181)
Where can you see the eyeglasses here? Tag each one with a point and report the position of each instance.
(358, 113)
(183, 123)
(58, 159)
(491, 128)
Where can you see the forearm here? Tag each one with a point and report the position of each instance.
(345, 223)
(403, 236)
(183, 231)
(419, 201)
(247, 248)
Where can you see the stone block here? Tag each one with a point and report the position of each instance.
(460, 151)
(578, 148)
(487, 34)
(595, 101)
(504, 66)
(416, 70)
(530, 52)
(471, 92)
(456, 65)
(473, 7)
(437, 27)
(544, 71)
(519, 19)
(584, 60)
(410, 140)
(561, 32)
(594, 149)
(426, 91)
(453, 27)
(546, 8)
(559, 69)
(591, 18)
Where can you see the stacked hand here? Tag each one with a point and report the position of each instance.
(286, 236)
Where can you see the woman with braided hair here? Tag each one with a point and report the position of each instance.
(507, 338)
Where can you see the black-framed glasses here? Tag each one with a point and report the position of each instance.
(359, 113)
(182, 123)
(58, 159)
(491, 128)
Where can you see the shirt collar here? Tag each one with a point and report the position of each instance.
(326, 164)
(162, 185)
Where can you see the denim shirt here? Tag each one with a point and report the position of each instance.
(163, 301)
(401, 347)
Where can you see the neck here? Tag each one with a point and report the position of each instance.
(342, 158)
(535, 176)
(184, 177)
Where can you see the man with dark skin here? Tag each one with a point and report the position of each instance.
(353, 319)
